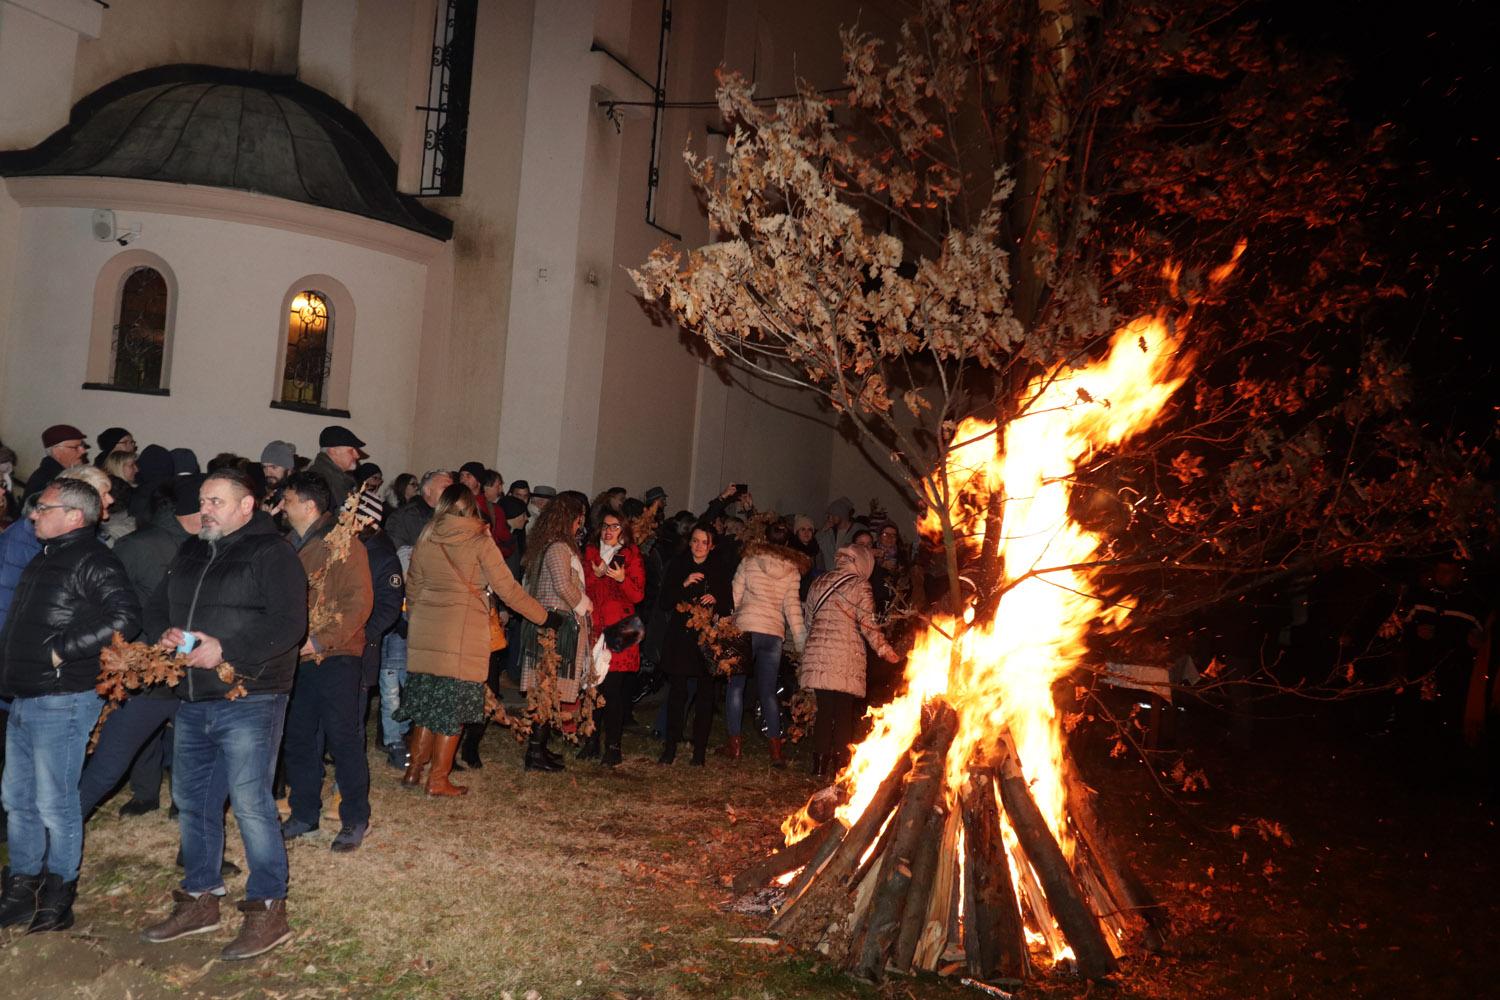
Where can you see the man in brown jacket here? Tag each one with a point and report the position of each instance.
(326, 695)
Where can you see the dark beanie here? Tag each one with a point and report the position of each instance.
(185, 495)
(155, 464)
(365, 470)
(475, 469)
(512, 506)
(109, 437)
(184, 462)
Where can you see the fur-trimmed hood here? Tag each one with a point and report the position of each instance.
(798, 561)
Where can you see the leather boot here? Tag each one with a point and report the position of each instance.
(19, 898)
(468, 746)
(548, 752)
(54, 904)
(612, 756)
(732, 748)
(419, 745)
(264, 928)
(777, 760)
(190, 915)
(443, 749)
(590, 747)
(536, 758)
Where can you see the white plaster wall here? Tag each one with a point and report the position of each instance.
(142, 34)
(231, 278)
(38, 43)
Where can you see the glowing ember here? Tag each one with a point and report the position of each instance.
(1000, 677)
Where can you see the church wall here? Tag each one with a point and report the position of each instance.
(232, 279)
(142, 34)
(462, 368)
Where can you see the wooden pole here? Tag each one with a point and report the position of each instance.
(785, 860)
(800, 916)
(994, 937)
(941, 900)
(1139, 907)
(924, 872)
(1079, 925)
(912, 816)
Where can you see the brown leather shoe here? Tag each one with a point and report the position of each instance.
(190, 915)
(777, 759)
(443, 749)
(731, 748)
(420, 747)
(264, 928)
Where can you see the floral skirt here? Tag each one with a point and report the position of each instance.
(441, 704)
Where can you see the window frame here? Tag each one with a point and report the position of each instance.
(341, 332)
(109, 286)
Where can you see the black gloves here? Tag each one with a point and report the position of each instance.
(556, 619)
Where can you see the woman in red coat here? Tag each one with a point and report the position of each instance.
(615, 579)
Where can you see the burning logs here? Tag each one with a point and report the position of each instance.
(994, 936)
(910, 821)
(1079, 924)
(935, 878)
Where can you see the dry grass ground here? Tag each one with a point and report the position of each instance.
(613, 884)
(588, 883)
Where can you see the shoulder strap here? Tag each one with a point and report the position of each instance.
(459, 573)
(837, 585)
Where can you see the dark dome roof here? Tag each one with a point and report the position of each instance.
(223, 128)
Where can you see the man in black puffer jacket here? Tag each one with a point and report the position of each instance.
(72, 598)
(234, 595)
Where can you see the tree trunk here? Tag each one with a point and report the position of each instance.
(1141, 910)
(911, 820)
(802, 915)
(923, 876)
(994, 937)
(1078, 923)
(785, 860)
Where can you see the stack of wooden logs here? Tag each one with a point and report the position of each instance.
(922, 880)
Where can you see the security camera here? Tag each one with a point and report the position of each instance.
(126, 240)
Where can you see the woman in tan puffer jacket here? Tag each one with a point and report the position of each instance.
(448, 639)
(768, 609)
(840, 617)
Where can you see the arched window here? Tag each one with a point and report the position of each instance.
(130, 339)
(315, 347)
(140, 339)
(309, 349)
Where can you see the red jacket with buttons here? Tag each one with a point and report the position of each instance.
(616, 600)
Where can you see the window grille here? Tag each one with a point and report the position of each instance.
(446, 113)
(140, 332)
(309, 349)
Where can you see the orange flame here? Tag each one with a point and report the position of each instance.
(1000, 677)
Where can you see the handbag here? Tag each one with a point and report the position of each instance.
(498, 640)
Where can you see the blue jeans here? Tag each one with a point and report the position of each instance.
(227, 750)
(326, 709)
(131, 732)
(765, 660)
(392, 680)
(44, 746)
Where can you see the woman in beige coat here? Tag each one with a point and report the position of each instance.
(453, 564)
(840, 617)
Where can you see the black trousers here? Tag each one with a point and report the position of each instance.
(833, 730)
(133, 732)
(327, 702)
(610, 720)
(703, 711)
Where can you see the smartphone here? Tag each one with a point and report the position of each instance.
(617, 561)
(741, 489)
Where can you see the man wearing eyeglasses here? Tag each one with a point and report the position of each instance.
(65, 447)
(72, 598)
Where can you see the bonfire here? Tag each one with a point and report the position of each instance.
(963, 840)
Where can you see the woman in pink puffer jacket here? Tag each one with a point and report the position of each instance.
(840, 616)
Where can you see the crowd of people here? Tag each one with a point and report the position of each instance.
(295, 592)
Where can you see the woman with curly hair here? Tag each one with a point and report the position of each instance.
(555, 577)
(615, 579)
(448, 640)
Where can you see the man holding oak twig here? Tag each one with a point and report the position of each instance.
(235, 594)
